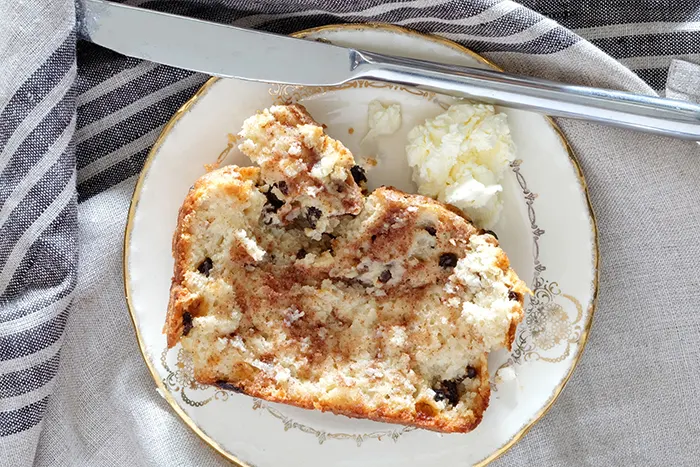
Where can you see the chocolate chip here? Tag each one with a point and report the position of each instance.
(385, 276)
(186, 323)
(205, 266)
(471, 372)
(222, 384)
(301, 254)
(358, 174)
(374, 237)
(513, 295)
(313, 214)
(431, 230)
(273, 201)
(448, 260)
(490, 232)
(447, 390)
(282, 186)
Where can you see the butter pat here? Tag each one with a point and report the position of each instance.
(383, 119)
(460, 157)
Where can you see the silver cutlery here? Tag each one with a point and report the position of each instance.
(232, 52)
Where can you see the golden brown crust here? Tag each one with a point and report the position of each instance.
(181, 301)
(261, 389)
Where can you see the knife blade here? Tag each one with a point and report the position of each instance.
(213, 48)
(232, 52)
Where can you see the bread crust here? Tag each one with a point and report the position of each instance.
(409, 418)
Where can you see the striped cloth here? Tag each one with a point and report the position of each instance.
(76, 123)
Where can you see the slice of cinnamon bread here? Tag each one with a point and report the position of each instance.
(382, 306)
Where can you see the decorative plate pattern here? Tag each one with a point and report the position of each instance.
(547, 230)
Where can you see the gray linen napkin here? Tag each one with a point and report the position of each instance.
(683, 81)
(76, 122)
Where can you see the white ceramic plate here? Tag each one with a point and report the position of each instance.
(547, 230)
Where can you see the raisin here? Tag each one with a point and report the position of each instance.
(273, 201)
(205, 266)
(447, 390)
(490, 232)
(301, 254)
(439, 394)
(186, 323)
(358, 174)
(471, 372)
(282, 186)
(431, 230)
(385, 276)
(222, 384)
(513, 295)
(448, 260)
(313, 214)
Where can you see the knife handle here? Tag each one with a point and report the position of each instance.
(621, 109)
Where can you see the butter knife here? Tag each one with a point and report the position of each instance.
(232, 52)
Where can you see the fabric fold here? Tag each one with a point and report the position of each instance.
(683, 81)
(38, 213)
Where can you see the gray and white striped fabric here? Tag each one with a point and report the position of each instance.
(76, 123)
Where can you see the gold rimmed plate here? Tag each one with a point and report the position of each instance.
(547, 229)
